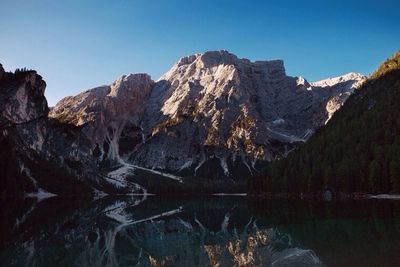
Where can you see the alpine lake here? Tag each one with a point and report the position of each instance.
(198, 231)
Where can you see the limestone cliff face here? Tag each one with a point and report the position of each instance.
(104, 112)
(22, 97)
(210, 107)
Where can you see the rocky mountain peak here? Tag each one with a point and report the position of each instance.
(215, 59)
(127, 85)
(209, 58)
(209, 107)
(219, 106)
(349, 77)
(106, 110)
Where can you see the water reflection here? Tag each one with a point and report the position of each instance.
(214, 231)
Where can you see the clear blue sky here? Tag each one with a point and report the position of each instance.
(76, 45)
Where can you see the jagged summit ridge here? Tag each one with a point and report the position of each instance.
(351, 76)
(217, 73)
(211, 59)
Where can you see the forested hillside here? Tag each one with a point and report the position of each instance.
(357, 151)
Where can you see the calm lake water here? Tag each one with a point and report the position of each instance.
(212, 231)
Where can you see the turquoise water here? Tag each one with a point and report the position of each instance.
(210, 231)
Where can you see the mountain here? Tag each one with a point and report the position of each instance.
(203, 126)
(216, 106)
(358, 150)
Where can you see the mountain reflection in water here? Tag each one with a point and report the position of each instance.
(213, 231)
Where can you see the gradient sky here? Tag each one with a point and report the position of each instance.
(76, 45)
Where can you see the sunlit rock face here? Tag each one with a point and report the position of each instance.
(108, 112)
(339, 89)
(209, 109)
